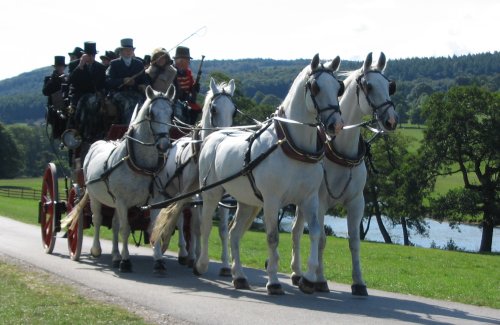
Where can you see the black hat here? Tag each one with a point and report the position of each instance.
(89, 48)
(59, 61)
(127, 43)
(110, 55)
(76, 52)
(147, 59)
(182, 52)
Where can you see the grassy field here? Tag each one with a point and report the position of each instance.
(456, 276)
(32, 298)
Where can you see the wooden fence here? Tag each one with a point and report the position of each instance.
(20, 192)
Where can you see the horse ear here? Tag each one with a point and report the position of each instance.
(231, 87)
(150, 93)
(368, 62)
(171, 92)
(315, 62)
(213, 86)
(334, 65)
(381, 61)
(134, 114)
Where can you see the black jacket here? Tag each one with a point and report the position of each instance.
(52, 84)
(118, 71)
(90, 79)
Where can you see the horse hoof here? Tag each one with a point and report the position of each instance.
(225, 271)
(95, 252)
(321, 287)
(183, 260)
(275, 289)
(359, 290)
(190, 263)
(241, 284)
(159, 267)
(195, 271)
(306, 286)
(296, 279)
(125, 266)
(115, 264)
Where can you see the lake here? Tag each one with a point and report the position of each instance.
(465, 237)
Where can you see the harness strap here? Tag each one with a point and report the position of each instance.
(292, 151)
(333, 155)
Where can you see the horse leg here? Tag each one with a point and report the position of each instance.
(159, 267)
(244, 215)
(355, 210)
(271, 210)
(194, 242)
(310, 209)
(210, 201)
(183, 253)
(116, 258)
(321, 285)
(223, 235)
(297, 231)
(122, 213)
(95, 206)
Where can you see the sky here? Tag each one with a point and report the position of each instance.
(34, 31)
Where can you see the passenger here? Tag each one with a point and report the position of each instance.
(54, 88)
(74, 58)
(126, 81)
(161, 73)
(185, 85)
(107, 58)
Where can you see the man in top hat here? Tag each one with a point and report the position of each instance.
(54, 87)
(88, 83)
(161, 73)
(107, 58)
(186, 88)
(126, 80)
(74, 58)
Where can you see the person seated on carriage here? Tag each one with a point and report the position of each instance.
(74, 58)
(186, 87)
(88, 82)
(146, 61)
(161, 73)
(107, 58)
(55, 88)
(126, 81)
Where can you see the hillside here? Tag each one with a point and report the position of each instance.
(268, 81)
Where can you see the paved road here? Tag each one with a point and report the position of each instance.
(211, 299)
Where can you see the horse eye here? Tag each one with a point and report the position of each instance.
(368, 86)
(341, 89)
(315, 89)
(213, 109)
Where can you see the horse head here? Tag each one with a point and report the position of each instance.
(376, 91)
(322, 92)
(219, 108)
(160, 114)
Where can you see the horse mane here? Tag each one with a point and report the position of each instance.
(298, 83)
(142, 111)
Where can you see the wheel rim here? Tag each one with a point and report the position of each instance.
(48, 206)
(75, 235)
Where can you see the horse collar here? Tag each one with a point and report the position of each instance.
(333, 155)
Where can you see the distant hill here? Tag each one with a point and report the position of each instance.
(21, 98)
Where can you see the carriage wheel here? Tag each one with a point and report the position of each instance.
(48, 208)
(75, 236)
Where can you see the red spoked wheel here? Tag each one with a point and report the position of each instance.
(75, 235)
(48, 208)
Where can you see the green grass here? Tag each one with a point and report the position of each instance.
(456, 276)
(32, 298)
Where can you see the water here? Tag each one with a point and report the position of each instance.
(465, 237)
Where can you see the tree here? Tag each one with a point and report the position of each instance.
(10, 156)
(396, 187)
(462, 137)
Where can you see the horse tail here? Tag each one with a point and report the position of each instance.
(72, 218)
(165, 223)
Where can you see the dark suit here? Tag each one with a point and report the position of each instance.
(90, 79)
(118, 71)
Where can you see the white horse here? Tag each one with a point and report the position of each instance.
(182, 166)
(367, 92)
(123, 174)
(271, 178)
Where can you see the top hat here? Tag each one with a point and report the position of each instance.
(109, 55)
(76, 52)
(89, 48)
(147, 59)
(182, 52)
(159, 52)
(127, 43)
(59, 61)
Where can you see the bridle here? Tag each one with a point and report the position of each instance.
(213, 107)
(375, 108)
(313, 89)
